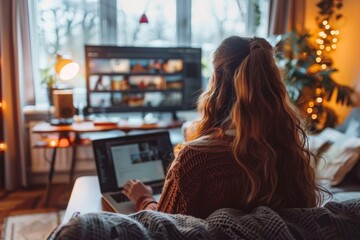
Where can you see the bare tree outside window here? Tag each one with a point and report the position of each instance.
(67, 25)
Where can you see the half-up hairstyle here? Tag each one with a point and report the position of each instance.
(246, 95)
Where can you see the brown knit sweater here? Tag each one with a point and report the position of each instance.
(198, 183)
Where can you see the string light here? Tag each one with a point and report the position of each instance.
(319, 99)
(311, 104)
(323, 66)
(309, 110)
(319, 52)
(3, 146)
(318, 59)
(314, 116)
(318, 90)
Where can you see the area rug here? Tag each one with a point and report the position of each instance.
(31, 226)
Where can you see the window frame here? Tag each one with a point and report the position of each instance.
(108, 32)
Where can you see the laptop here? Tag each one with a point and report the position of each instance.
(142, 156)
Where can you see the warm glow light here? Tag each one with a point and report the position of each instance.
(322, 47)
(334, 40)
(333, 46)
(318, 59)
(319, 99)
(309, 110)
(328, 48)
(64, 142)
(327, 26)
(314, 116)
(53, 143)
(332, 32)
(323, 66)
(2, 146)
(337, 32)
(0, 104)
(311, 104)
(66, 67)
(325, 22)
(69, 71)
(318, 90)
(318, 52)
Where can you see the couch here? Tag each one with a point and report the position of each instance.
(335, 220)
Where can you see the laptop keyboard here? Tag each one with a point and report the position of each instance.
(120, 197)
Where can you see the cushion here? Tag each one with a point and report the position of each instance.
(339, 154)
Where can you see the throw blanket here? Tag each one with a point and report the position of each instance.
(333, 221)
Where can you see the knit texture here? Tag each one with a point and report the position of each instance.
(333, 221)
(198, 183)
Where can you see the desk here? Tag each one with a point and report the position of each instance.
(85, 198)
(77, 129)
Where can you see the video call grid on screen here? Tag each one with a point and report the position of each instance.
(133, 79)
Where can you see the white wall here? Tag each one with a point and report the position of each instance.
(347, 56)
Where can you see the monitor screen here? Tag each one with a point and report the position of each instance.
(142, 79)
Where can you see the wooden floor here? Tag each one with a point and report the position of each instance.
(32, 199)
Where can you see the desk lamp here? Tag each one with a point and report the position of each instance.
(65, 69)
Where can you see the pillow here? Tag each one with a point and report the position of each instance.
(340, 153)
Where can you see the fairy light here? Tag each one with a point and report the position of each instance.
(309, 110)
(311, 104)
(328, 48)
(314, 116)
(318, 52)
(333, 46)
(3, 146)
(325, 22)
(318, 91)
(319, 100)
(322, 47)
(323, 66)
(318, 59)
(334, 40)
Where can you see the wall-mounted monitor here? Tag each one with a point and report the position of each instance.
(142, 79)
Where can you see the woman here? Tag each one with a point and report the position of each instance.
(248, 149)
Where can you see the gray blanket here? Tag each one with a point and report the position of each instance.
(333, 221)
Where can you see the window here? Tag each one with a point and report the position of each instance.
(66, 25)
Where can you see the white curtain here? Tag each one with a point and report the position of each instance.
(16, 80)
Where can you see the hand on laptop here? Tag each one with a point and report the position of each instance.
(134, 189)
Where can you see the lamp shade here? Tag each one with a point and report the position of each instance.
(66, 68)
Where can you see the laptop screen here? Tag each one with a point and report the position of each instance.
(145, 157)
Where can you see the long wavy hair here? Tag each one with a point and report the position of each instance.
(246, 104)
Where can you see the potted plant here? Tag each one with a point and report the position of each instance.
(48, 79)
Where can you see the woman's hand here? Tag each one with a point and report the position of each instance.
(134, 189)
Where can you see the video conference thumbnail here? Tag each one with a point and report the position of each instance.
(140, 83)
(151, 99)
(119, 65)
